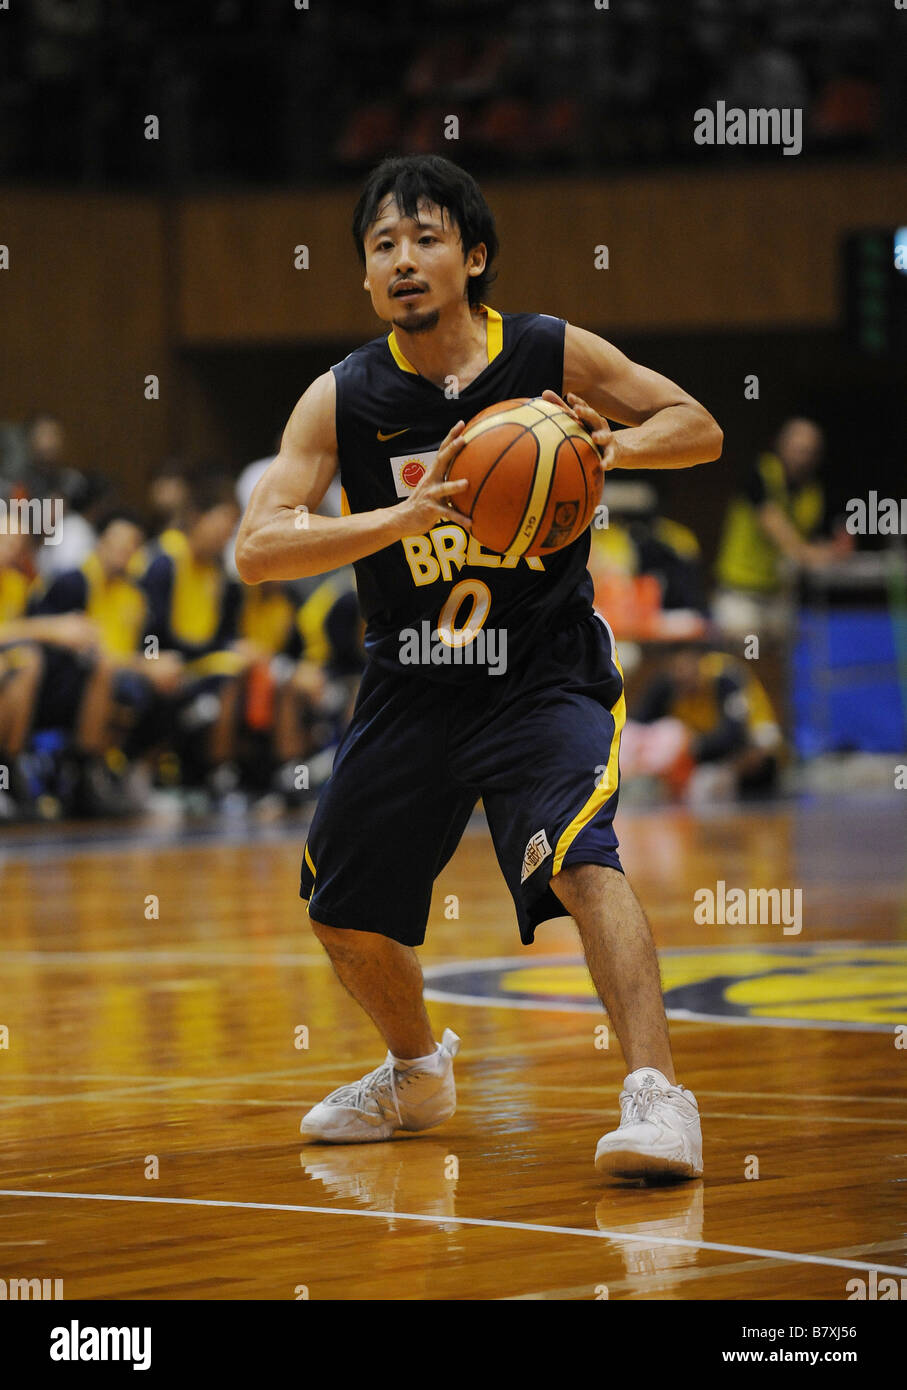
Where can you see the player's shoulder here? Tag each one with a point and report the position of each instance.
(66, 589)
(522, 321)
(69, 581)
(375, 352)
(531, 326)
(727, 671)
(156, 560)
(529, 338)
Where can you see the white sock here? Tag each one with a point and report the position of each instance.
(431, 1062)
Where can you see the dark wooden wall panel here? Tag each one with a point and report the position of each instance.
(83, 308)
(687, 251)
(104, 289)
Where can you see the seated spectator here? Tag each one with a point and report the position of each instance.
(168, 496)
(85, 498)
(53, 676)
(848, 107)
(706, 728)
(302, 688)
(44, 453)
(194, 615)
(638, 540)
(762, 73)
(102, 589)
(769, 534)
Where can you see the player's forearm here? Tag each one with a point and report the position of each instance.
(679, 436)
(295, 544)
(41, 628)
(784, 534)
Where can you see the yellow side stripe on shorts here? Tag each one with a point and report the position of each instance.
(308, 860)
(603, 790)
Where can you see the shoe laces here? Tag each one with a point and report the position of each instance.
(379, 1085)
(635, 1105)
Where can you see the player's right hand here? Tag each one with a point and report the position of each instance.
(166, 672)
(74, 630)
(430, 501)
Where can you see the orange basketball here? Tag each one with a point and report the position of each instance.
(533, 475)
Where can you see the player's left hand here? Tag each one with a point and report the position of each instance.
(248, 652)
(583, 414)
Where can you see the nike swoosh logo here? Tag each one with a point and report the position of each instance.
(393, 434)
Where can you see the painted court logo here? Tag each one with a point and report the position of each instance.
(537, 850)
(843, 986)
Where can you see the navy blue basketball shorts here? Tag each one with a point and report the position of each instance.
(538, 744)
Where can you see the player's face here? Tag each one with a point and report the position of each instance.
(213, 529)
(13, 550)
(47, 441)
(800, 446)
(684, 668)
(117, 545)
(415, 267)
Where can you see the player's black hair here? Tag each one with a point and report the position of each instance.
(84, 492)
(120, 514)
(174, 466)
(209, 488)
(413, 177)
(38, 417)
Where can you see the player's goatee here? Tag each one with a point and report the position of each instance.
(418, 325)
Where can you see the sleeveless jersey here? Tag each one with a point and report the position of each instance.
(747, 556)
(440, 603)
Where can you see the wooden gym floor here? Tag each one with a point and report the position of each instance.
(172, 1046)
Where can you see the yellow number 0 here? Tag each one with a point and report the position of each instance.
(481, 602)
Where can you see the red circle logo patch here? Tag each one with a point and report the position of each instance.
(412, 472)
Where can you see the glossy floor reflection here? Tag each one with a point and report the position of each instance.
(169, 1018)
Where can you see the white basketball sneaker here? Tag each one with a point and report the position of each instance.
(389, 1098)
(659, 1134)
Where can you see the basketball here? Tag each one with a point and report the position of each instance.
(532, 473)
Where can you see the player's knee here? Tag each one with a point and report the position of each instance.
(331, 938)
(575, 883)
(28, 672)
(104, 667)
(31, 660)
(343, 944)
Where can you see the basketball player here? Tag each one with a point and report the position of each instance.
(426, 742)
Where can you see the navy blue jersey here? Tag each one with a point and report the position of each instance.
(390, 423)
(194, 607)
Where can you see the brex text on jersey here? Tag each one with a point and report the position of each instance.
(439, 603)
